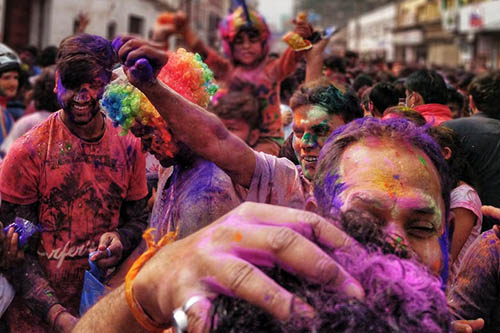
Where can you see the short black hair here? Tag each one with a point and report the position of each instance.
(31, 49)
(361, 81)
(238, 105)
(47, 57)
(383, 95)
(43, 93)
(485, 94)
(454, 96)
(429, 84)
(353, 107)
(335, 63)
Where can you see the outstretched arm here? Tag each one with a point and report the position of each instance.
(217, 259)
(200, 130)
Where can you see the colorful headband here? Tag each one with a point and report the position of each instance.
(232, 24)
(184, 72)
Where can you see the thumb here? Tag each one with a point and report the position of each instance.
(104, 242)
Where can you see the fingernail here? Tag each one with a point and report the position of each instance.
(353, 289)
(302, 308)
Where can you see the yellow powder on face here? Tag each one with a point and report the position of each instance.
(389, 183)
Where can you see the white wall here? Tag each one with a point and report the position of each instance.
(101, 13)
(2, 20)
(376, 31)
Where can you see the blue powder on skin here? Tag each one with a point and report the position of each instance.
(334, 186)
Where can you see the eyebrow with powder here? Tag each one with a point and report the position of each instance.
(320, 128)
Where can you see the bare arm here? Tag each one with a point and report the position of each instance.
(464, 222)
(314, 61)
(204, 133)
(209, 264)
(113, 307)
(200, 130)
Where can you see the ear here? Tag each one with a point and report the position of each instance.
(446, 151)
(253, 137)
(312, 205)
(416, 99)
(56, 82)
(472, 105)
(366, 113)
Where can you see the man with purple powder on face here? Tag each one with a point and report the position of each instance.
(82, 182)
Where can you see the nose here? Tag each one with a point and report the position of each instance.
(246, 42)
(308, 141)
(82, 96)
(396, 235)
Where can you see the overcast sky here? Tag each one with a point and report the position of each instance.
(274, 10)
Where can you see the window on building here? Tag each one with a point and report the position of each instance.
(213, 24)
(111, 30)
(76, 25)
(136, 25)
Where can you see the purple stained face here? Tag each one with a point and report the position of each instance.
(81, 103)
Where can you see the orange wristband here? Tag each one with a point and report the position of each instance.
(137, 311)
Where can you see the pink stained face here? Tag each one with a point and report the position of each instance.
(247, 48)
(399, 185)
(312, 125)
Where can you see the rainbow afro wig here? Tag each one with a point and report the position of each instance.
(233, 24)
(129, 108)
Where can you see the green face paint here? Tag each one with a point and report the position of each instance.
(422, 160)
(310, 139)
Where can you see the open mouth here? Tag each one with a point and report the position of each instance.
(310, 159)
(81, 107)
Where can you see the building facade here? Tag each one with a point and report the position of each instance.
(47, 22)
(205, 17)
(476, 27)
(371, 34)
(419, 36)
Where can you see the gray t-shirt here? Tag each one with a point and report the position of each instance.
(196, 196)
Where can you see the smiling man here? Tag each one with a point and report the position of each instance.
(319, 108)
(10, 66)
(82, 182)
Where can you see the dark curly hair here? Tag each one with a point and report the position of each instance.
(401, 294)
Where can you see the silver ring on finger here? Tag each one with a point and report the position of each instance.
(180, 314)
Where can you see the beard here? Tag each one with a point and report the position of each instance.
(75, 118)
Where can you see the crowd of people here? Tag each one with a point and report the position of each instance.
(312, 194)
